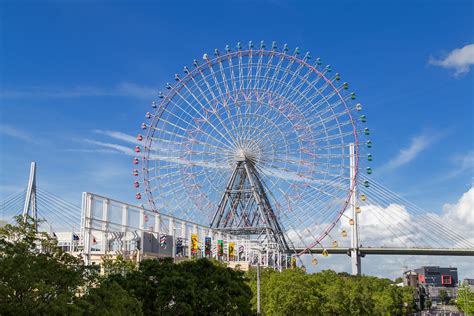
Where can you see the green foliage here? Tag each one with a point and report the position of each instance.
(36, 277)
(328, 293)
(117, 266)
(108, 299)
(428, 303)
(443, 296)
(465, 300)
(191, 287)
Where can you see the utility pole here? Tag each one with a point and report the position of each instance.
(30, 199)
(355, 255)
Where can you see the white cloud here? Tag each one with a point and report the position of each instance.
(417, 145)
(18, 134)
(58, 92)
(461, 214)
(119, 135)
(463, 163)
(459, 59)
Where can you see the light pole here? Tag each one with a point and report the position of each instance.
(258, 281)
(258, 287)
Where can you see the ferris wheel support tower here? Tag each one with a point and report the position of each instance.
(245, 209)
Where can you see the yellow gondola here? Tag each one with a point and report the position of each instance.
(344, 233)
(351, 222)
(325, 253)
(363, 197)
(358, 209)
(314, 261)
(334, 243)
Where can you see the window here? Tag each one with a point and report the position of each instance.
(446, 279)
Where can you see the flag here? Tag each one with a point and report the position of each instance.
(163, 240)
(293, 263)
(231, 249)
(207, 246)
(75, 236)
(179, 246)
(194, 243)
(94, 241)
(220, 248)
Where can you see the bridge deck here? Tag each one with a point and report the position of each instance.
(397, 251)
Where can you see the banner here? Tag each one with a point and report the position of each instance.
(207, 246)
(194, 243)
(163, 240)
(220, 248)
(179, 246)
(231, 250)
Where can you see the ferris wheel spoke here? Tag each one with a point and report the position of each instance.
(249, 70)
(205, 119)
(295, 217)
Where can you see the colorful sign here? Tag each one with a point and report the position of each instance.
(179, 246)
(194, 243)
(163, 240)
(220, 248)
(207, 246)
(231, 249)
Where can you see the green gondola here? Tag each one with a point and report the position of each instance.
(363, 118)
(368, 170)
(369, 157)
(366, 131)
(369, 144)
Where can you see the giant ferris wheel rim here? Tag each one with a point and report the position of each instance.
(179, 85)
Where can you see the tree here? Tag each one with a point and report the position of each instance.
(191, 287)
(328, 293)
(398, 280)
(465, 301)
(108, 299)
(36, 276)
(428, 303)
(443, 296)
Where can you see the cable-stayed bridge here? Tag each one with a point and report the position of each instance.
(383, 223)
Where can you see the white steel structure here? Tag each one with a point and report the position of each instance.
(111, 227)
(261, 143)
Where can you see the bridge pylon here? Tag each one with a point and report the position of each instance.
(30, 206)
(354, 250)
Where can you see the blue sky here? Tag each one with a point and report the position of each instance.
(71, 69)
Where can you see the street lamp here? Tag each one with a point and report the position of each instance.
(258, 281)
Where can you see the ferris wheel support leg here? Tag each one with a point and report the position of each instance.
(355, 254)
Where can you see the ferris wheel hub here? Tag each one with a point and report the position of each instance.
(247, 154)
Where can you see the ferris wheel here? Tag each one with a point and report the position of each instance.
(254, 141)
